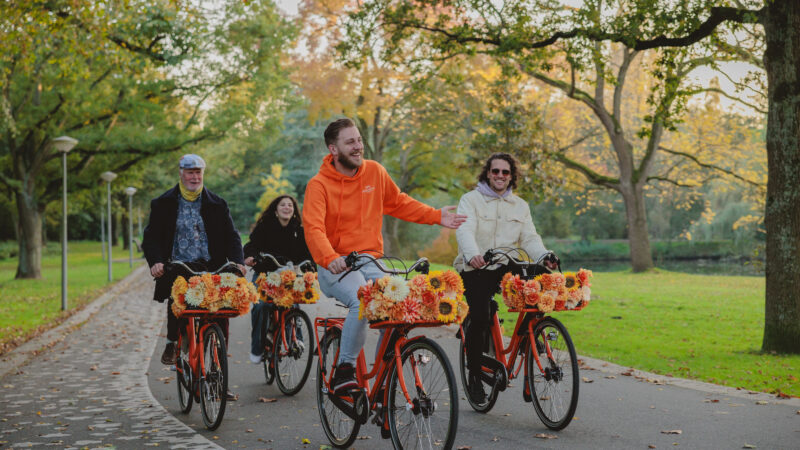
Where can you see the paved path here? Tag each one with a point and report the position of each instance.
(94, 389)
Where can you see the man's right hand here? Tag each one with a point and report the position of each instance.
(337, 265)
(477, 262)
(250, 261)
(157, 270)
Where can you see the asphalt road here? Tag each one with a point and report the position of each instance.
(96, 381)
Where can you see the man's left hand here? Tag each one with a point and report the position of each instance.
(451, 219)
(242, 268)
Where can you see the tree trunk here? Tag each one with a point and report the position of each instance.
(29, 230)
(638, 238)
(781, 22)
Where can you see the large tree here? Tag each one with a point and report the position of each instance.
(674, 26)
(129, 80)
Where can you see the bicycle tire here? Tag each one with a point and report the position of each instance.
(491, 397)
(214, 382)
(292, 359)
(549, 390)
(340, 429)
(183, 378)
(432, 421)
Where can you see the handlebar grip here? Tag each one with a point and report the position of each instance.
(488, 257)
(351, 259)
(424, 268)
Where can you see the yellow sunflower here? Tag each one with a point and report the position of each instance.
(447, 310)
(436, 281)
(571, 281)
(310, 296)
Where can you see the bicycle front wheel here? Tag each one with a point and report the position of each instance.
(340, 428)
(214, 381)
(554, 385)
(183, 374)
(293, 352)
(430, 419)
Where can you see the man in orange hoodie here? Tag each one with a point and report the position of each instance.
(343, 212)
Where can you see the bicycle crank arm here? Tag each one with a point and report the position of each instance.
(498, 375)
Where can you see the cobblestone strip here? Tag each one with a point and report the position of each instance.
(90, 390)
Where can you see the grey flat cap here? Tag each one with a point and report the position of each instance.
(192, 161)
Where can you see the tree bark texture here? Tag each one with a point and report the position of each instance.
(781, 20)
(638, 238)
(29, 230)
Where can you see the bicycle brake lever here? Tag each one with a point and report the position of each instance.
(488, 257)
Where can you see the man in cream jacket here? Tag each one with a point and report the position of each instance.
(495, 218)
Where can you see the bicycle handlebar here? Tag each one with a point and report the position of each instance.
(352, 260)
(229, 266)
(491, 256)
(263, 257)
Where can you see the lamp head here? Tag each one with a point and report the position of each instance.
(64, 143)
(130, 190)
(108, 176)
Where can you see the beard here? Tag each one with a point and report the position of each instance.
(348, 163)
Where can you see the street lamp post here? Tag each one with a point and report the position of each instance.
(108, 177)
(130, 191)
(64, 144)
(103, 232)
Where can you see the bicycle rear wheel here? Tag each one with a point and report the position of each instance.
(340, 429)
(214, 382)
(431, 420)
(491, 397)
(292, 356)
(183, 374)
(554, 389)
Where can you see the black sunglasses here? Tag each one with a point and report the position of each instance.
(496, 171)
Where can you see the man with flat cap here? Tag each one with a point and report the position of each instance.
(192, 224)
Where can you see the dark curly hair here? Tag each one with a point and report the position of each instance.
(272, 208)
(484, 175)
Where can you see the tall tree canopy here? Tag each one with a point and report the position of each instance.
(129, 80)
(534, 30)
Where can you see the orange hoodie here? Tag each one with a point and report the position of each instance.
(342, 214)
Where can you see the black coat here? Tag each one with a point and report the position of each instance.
(285, 243)
(224, 243)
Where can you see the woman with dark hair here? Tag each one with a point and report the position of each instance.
(279, 232)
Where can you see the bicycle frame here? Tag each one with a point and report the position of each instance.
(397, 332)
(197, 364)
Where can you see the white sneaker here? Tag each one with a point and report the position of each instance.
(255, 359)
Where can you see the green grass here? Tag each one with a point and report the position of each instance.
(707, 328)
(701, 327)
(28, 307)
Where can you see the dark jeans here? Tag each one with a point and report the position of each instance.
(176, 325)
(479, 288)
(260, 315)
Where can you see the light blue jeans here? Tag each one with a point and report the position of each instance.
(354, 332)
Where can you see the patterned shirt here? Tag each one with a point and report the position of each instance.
(191, 241)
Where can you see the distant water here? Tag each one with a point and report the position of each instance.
(696, 266)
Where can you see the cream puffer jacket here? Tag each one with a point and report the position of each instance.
(494, 222)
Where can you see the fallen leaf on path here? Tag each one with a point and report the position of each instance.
(495, 439)
(363, 438)
(710, 400)
(115, 373)
(305, 441)
(267, 400)
(798, 411)
(671, 432)
(506, 414)
(249, 430)
(610, 377)
(627, 373)
(464, 447)
(587, 380)
(545, 436)
(748, 446)
(651, 446)
(762, 402)
(782, 395)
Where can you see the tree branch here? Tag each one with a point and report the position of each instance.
(730, 173)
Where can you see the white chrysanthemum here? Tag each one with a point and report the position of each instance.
(274, 279)
(587, 293)
(396, 289)
(227, 280)
(299, 285)
(374, 310)
(194, 295)
(570, 304)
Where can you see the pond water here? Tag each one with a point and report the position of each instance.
(695, 266)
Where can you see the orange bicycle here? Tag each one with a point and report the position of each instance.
(202, 365)
(289, 363)
(413, 398)
(539, 343)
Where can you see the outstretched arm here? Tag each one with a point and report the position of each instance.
(451, 219)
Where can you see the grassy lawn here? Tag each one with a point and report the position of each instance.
(28, 307)
(707, 328)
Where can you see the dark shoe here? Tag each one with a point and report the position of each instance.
(344, 378)
(231, 397)
(170, 354)
(476, 392)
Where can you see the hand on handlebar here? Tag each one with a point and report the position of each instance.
(157, 270)
(250, 261)
(338, 265)
(477, 261)
(551, 261)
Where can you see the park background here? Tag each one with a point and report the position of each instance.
(643, 165)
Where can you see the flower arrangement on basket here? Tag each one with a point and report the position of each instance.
(424, 298)
(548, 291)
(213, 293)
(285, 288)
